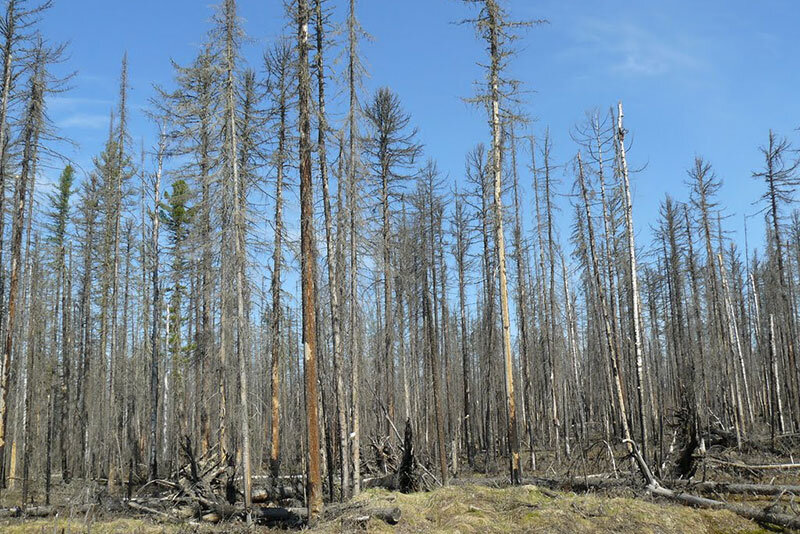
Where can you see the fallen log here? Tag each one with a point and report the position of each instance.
(741, 465)
(753, 514)
(737, 488)
(582, 484)
(273, 516)
(148, 510)
(41, 511)
(760, 516)
(282, 516)
(577, 484)
(390, 516)
(14, 511)
(274, 493)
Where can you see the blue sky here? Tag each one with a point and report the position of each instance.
(697, 78)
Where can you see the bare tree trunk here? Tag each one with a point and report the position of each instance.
(733, 330)
(277, 264)
(435, 371)
(461, 252)
(353, 208)
(308, 257)
(237, 222)
(9, 30)
(497, 171)
(154, 341)
(112, 466)
(551, 308)
(30, 134)
(31, 365)
(635, 301)
(776, 383)
(610, 346)
(522, 301)
(332, 252)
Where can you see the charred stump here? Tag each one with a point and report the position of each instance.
(408, 480)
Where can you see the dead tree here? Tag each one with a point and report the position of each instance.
(279, 66)
(32, 127)
(613, 356)
(155, 332)
(635, 301)
(308, 255)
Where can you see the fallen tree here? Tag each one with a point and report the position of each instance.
(754, 467)
(760, 516)
(42, 511)
(739, 488)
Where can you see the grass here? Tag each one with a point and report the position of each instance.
(466, 510)
(77, 526)
(479, 509)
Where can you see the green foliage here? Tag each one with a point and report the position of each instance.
(176, 213)
(177, 216)
(59, 206)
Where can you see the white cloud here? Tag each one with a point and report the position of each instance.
(65, 103)
(634, 50)
(88, 121)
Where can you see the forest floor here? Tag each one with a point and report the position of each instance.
(456, 509)
(480, 503)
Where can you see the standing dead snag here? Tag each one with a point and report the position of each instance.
(334, 252)
(308, 267)
(460, 251)
(5, 96)
(613, 356)
(493, 26)
(433, 349)
(635, 303)
(406, 474)
(354, 71)
(391, 147)
(154, 342)
(32, 127)
(520, 256)
(780, 176)
(279, 66)
(236, 225)
(493, 12)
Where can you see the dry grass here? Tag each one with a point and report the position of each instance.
(77, 526)
(465, 510)
(479, 509)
